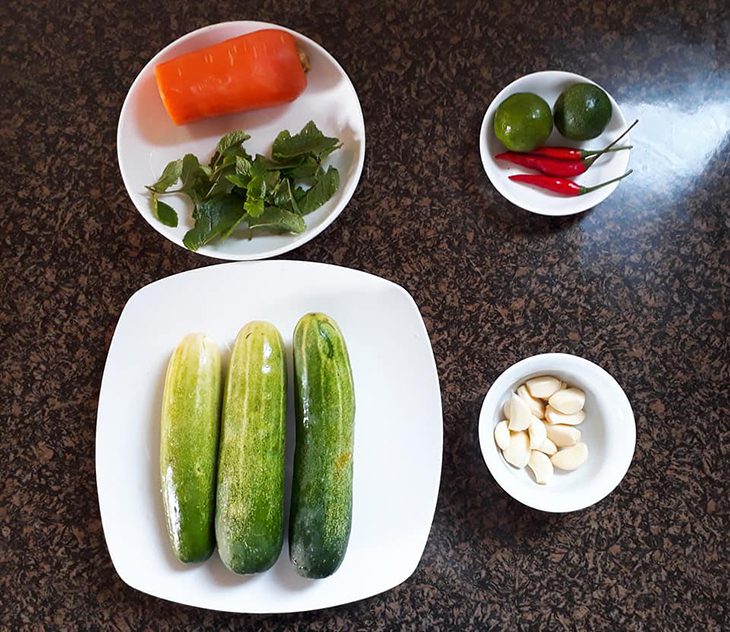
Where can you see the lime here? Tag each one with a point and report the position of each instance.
(582, 111)
(523, 121)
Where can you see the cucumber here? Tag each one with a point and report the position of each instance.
(189, 446)
(249, 521)
(321, 505)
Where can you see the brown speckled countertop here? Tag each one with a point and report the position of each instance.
(639, 285)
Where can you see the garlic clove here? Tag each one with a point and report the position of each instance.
(502, 435)
(541, 467)
(568, 400)
(537, 407)
(518, 451)
(548, 447)
(537, 433)
(555, 417)
(570, 458)
(543, 387)
(519, 413)
(563, 436)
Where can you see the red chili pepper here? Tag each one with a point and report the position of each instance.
(549, 166)
(571, 153)
(553, 166)
(561, 185)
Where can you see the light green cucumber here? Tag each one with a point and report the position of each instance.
(324, 396)
(189, 445)
(249, 521)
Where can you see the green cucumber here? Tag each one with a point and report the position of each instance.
(189, 445)
(249, 520)
(321, 505)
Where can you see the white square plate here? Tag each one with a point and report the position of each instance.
(398, 429)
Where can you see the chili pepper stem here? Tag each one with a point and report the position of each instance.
(590, 154)
(608, 147)
(584, 190)
(626, 131)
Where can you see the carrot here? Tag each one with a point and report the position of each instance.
(243, 73)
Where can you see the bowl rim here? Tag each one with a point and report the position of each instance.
(500, 470)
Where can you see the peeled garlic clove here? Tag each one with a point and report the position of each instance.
(548, 447)
(537, 407)
(518, 451)
(568, 400)
(570, 458)
(537, 433)
(501, 435)
(519, 414)
(555, 417)
(543, 386)
(563, 436)
(541, 467)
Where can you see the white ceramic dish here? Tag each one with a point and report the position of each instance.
(608, 430)
(549, 84)
(398, 429)
(147, 139)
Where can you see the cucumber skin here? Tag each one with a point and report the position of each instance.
(189, 446)
(321, 506)
(249, 520)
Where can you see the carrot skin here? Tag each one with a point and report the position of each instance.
(257, 70)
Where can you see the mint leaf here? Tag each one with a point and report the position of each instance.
(215, 217)
(195, 181)
(164, 212)
(279, 220)
(170, 175)
(255, 193)
(324, 188)
(305, 170)
(235, 137)
(310, 141)
(244, 168)
(272, 178)
(237, 180)
(274, 165)
(231, 141)
(221, 184)
(258, 166)
(282, 197)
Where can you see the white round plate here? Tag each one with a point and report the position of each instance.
(609, 431)
(147, 139)
(549, 84)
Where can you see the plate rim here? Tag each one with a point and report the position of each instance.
(308, 234)
(487, 159)
(122, 569)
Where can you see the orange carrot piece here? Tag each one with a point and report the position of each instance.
(243, 73)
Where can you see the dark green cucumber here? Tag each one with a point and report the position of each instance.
(324, 396)
(249, 520)
(189, 446)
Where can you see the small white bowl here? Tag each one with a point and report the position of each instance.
(609, 432)
(549, 84)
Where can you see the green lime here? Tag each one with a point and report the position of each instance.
(523, 121)
(582, 111)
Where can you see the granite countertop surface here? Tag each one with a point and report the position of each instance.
(639, 285)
